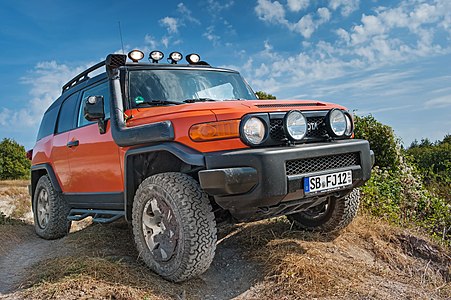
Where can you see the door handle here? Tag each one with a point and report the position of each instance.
(73, 143)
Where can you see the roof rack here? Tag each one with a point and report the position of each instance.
(82, 76)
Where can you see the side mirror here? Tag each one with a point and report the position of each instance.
(94, 111)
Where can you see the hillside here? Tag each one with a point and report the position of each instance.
(264, 260)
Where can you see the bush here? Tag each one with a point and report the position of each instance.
(381, 138)
(395, 190)
(13, 161)
(434, 162)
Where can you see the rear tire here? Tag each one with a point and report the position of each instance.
(50, 211)
(333, 215)
(174, 226)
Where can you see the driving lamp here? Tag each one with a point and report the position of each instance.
(336, 123)
(349, 124)
(156, 56)
(175, 57)
(193, 58)
(253, 131)
(135, 55)
(295, 125)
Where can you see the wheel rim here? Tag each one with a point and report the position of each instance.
(43, 208)
(160, 229)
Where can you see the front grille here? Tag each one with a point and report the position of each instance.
(315, 125)
(307, 165)
(276, 130)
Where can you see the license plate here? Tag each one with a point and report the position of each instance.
(326, 182)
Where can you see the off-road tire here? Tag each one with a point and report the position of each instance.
(58, 225)
(196, 226)
(339, 214)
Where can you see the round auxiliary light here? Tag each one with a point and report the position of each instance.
(336, 123)
(349, 124)
(135, 55)
(193, 58)
(295, 125)
(156, 56)
(253, 131)
(175, 57)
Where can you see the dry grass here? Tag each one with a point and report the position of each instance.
(368, 260)
(14, 183)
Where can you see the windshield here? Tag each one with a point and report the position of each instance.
(146, 86)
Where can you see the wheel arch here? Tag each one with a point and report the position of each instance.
(37, 171)
(142, 162)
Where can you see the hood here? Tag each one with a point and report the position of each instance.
(222, 110)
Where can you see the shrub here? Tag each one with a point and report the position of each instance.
(13, 161)
(395, 190)
(381, 138)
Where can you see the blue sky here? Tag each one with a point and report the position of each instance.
(388, 58)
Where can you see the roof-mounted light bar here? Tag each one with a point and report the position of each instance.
(193, 58)
(136, 55)
(175, 57)
(156, 56)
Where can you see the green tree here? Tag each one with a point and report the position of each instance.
(265, 96)
(13, 161)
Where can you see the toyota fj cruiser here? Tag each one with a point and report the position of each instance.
(177, 148)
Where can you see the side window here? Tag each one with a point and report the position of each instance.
(48, 123)
(68, 113)
(99, 90)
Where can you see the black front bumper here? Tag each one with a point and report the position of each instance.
(249, 181)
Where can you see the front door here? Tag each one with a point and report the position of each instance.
(96, 179)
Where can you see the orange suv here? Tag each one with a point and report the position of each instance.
(177, 148)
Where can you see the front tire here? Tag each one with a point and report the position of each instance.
(50, 211)
(174, 226)
(330, 216)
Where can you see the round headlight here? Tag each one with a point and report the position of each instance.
(156, 56)
(175, 57)
(336, 123)
(253, 131)
(349, 125)
(135, 55)
(193, 58)
(295, 125)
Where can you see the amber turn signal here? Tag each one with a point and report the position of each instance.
(215, 131)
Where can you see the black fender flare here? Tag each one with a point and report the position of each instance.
(182, 152)
(36, 173)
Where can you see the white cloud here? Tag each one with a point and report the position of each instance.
(45, 82)
(306, 26)
(151, 41)
(170, 23)
(272, 12)
(439, 102)
(211, 36)
(186, 13)
(217, 7)
(346, 6)
(297, 5)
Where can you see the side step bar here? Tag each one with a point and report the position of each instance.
(98, 215)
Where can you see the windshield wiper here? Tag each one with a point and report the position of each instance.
(159, 102)
(198, 100)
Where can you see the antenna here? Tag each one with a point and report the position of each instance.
(120, 34)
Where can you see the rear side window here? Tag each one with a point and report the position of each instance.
(48, 123)
(99, 90)
(68, 114)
